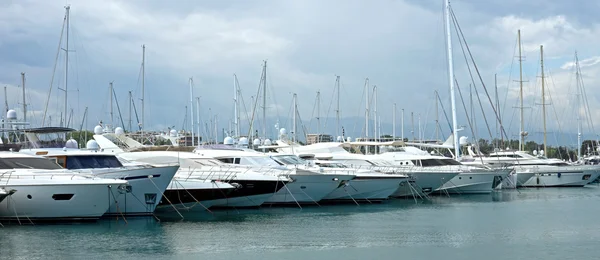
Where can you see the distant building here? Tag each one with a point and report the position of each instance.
(318, 138)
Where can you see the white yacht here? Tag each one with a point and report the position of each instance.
(42, 190)
(546, 172)
(470, 179)
(147, 181)
(308, 186)
(421, 181)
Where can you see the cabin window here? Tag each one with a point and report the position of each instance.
(28, 163)
(62, 196)
(93, 162)
(226, 160)
(237, 161)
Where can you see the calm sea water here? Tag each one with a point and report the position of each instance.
(526, 224)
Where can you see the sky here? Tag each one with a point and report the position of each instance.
(400, 46)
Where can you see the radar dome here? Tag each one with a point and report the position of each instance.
(535, 152)
(268, 142)
(463, 140)
(98, 130)
(243, 141)
(11, 114)
(71, 143)
(349, 139)
(256, 142)
(173, 133)
(92, 145)
(340, 139)
(228, 141)
(119, 131)
(283, 131)
(541, 152)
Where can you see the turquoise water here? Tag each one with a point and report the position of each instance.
(526, 224)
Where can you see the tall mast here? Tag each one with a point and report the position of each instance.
(497, 109)
(367, 108)
(192, 107)
(143, 87)
(543, 95)
(67, 8)
(522, 127)
(235, 107)
(402, 125)
(110, 95)
(5, 100)
(198, 117)
(337, 111)
(294, 118)
(451, 81)
(319, 116)
(376, 126)
(394, 123)
(412, 124)
(265, 100)
(577, 76)
(130, 102)
(437, 121)
(24, 103)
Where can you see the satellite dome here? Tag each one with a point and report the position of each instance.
(173, 133)
(541, 152)
(11, 114)
(349, 139)
(98, 130)
(228, 141)
(243, 141)
(463, 140)
(71, 143)
(119, 131)
(340, 139)
(256, 142)
(267, 142)
(92, 145)
(535, 152)
(283, 131)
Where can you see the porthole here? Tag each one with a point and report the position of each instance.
(28, 196)
(460, 178)
(470, 178)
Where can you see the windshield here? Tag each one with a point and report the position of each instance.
(93, 161)
(28, 163)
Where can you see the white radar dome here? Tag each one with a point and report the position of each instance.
(268, 142)
(463, 140)
(535, 152)
(119, 131)
(228, 141)
(11, 114)
(340, 139)
(541, 152)
(283, 131)
(349, 139)
(71, 143)
(98, 130)
(243, 141)
(92, 145)
(173, 133)
(256, 142)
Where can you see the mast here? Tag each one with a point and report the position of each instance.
(143, 87)
(24, 103)
(376, 126)
(235, 107)
(319, 116)
(497, 109)
(419, 133)
(110, 95)
(451, 81)
(191, 81)
(66, 49)
(367, 109)
(198, 117)
(577, 76)
(294, 118)
(265, 100)
(522, 127)
(412, 123)
(337, 111)
(394, 122)
(130, 102)
(5, 101)
(543, 96)
(437, 121)
(402, 125)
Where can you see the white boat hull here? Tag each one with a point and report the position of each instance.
(57, 201)
(146, 192)
(423, 183)
(308, 188)
(367, 188)
(561, 178)
(475, 182)
(193, 195)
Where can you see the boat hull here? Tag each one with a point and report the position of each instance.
(423, 183)
(193, 195)
(474, 182)
(58, 201)
(367, 188)
(307, 188)
(561, 178)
